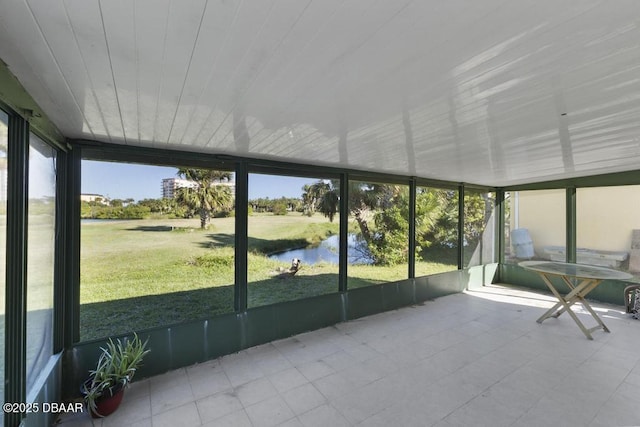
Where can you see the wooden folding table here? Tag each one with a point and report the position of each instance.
(581, 279)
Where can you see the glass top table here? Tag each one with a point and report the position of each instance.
(581, 271)
(581, 279)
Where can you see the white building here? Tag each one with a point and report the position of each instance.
(170, 185)
(88, 197)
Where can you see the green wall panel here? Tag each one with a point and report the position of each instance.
(182, 350)
(222, 335)
(438, 285)
(365, 301)
(482, 275)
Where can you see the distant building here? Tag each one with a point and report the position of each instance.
(170, 185)
(94, 198)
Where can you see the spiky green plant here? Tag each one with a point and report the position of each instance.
(116, 367)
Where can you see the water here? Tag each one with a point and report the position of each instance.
(327, 251)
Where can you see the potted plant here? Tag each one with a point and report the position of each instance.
(116, 367)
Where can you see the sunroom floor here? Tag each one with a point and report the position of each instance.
(476, 358)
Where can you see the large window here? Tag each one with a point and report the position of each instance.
(157, 246)
(4, 140)
(536, 225)
(40, 256)
(293, 238)
(436, 230)
(479, 230)
(378, 247)
(608, 227)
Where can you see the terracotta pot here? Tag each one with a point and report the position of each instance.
(108, 403)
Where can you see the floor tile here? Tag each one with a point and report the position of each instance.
(255, 391)
(270, 412)
(186, 415)
(303, 398)
(206, 385)
(218, 405)
(322, 416)
(234, 419)
(168, 380)
(317, 369)
(286, 380)
(129, 411)
(169, 397)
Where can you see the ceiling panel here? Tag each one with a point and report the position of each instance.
(490, 92)
(85, 20)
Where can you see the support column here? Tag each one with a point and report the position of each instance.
(72, 288)
(241, 236)
(16, 272)
(571, 225)
(59, 280)
(500, 226)
(412, 229)
(460, 227)
(344, 231)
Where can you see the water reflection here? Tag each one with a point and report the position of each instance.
(327, 251)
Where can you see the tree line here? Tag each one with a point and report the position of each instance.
(380, 211)
(206, 198)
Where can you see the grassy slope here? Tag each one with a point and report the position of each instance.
(145, 273)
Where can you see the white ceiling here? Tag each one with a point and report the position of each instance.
(493, 92)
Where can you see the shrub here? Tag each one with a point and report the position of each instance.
(214, 261)
(279, 209)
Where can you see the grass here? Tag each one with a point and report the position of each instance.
(145, 273)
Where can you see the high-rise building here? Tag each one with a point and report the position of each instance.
(170, 185)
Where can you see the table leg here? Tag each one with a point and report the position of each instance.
(577, 293)
(586, 305)
(583, 288)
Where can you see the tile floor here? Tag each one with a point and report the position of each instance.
(471, 359)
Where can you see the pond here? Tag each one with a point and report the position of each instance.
(327, 251)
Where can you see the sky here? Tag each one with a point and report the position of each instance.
(135, 181)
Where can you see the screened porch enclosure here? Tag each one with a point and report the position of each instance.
(220, 176)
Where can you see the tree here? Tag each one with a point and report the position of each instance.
(207, 193)
(382, 214)
(308, 201)
(320, 196)
(389, 243)
(364, 200)
(279, 208)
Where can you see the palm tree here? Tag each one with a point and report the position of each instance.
(308, 200)
(363, 198)
(206, 195)
(329, 199)
(320, 196)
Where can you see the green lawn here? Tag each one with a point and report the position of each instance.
(144, 273)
